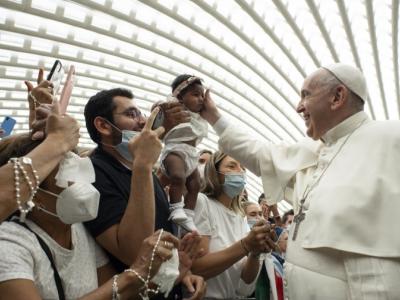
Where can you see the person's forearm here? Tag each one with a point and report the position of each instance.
(45, 158)
(213, 264)
(139, 217)
(250, 268)
(244, 147)
(213, 118)
(128, 283)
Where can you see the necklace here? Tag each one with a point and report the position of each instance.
(302, 215)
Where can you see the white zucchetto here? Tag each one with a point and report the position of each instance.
(350, 77)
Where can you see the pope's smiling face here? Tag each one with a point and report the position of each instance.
(314, 105)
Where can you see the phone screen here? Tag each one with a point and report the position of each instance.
(158, 120)
(56, 75)
(8, 126)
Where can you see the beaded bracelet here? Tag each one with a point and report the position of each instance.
(147, 290)
(28, 161)
(33, 189)
(17, 169)
(115, 295)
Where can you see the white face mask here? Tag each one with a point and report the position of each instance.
(74, 169)
(77, 203)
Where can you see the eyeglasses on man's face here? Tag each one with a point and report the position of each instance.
(132, 113)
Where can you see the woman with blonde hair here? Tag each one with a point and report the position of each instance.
(231, 252)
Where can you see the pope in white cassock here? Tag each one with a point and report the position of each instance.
(346, 189)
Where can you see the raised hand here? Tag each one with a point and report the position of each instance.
(38, 125)
(260, 238)
(42, 93)
(64, 128)
(210, 111)
(188, 251)
(162, 253)
(146, 146)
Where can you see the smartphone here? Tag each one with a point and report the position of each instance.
(56, 75)
(67, 90)
(7, 126)
(158, 120)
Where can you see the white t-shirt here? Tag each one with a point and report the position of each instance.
(224, 227)
(22, 257)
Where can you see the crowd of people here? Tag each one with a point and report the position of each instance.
(148, 215)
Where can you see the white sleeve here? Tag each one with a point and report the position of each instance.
(202, 217)
(276, 164)
(240, 145)
(16, 261)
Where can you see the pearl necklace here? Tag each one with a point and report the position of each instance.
(18, 167)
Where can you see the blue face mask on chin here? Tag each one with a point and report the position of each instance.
(234, 184)
(122, 147)
(251, 221)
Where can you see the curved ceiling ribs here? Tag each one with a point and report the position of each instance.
(255, 66)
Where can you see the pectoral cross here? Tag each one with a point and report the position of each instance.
(298, 219)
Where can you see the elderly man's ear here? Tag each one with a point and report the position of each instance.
(340, 97)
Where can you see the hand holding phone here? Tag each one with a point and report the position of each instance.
(56, 75)
(158, 120)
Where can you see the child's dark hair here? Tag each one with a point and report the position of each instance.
(181, 78)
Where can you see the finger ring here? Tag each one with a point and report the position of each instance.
(167, 244)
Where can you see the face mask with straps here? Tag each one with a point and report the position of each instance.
(234, 183)
(122, 147)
